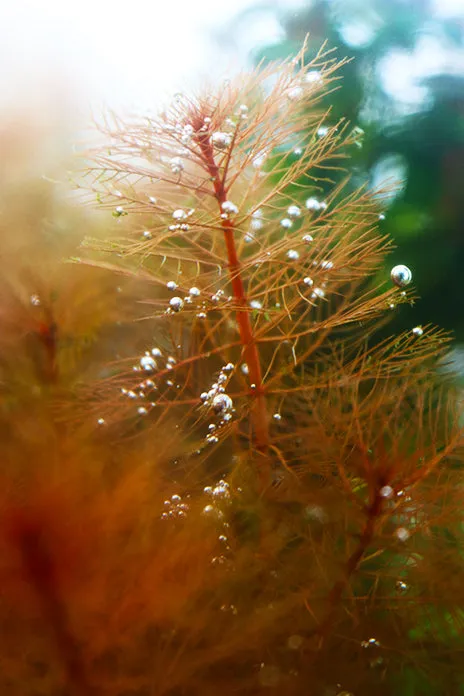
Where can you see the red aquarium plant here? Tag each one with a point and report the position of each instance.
(239, 490)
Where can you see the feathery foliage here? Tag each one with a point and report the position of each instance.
(233, 491)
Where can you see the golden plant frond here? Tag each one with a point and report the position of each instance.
(214, 478)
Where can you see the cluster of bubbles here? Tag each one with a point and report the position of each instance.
(322, 131)
(150, 363)
(180, 217)
(218, 498)
(174, 508)
(193, 299)
(293, 212)
(311, 80)
(291, 215)
(314, 205)
(176, 303)
(228, 208)
(221, 140)
(177, 165)
(219, 491)
(215, 401)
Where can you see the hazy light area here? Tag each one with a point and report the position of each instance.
(123, 55)
(77, 57)
(449, 8)
(403, 72)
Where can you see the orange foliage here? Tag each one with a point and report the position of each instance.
(238, 491)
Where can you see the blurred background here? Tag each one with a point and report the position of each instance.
(61, 63)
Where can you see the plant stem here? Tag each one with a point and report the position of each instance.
(40, 570)
(374, 511)
(260, 417)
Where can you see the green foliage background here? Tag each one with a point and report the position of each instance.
(426, 218)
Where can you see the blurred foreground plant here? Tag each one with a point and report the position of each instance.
(259, 502)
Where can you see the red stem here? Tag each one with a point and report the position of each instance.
(40, 569)
(251, 354)
(373, 512)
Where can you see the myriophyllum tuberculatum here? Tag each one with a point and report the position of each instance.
(261, 496)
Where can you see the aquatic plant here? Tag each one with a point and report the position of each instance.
(238, 489)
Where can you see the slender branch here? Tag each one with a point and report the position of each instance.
(373, 513)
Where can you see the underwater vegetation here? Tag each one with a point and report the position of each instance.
(214, 478)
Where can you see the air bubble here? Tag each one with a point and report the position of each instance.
(295, 93)
(148, 363)
(176, 303)
(293, 211)
(386, 492)
(222, 403)
(221, 140)
(317, 292)
(229, 208)
(314, 77)
(402, 534)
(179, 214)
(401, 275)
(313, 204)
(177, 166)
